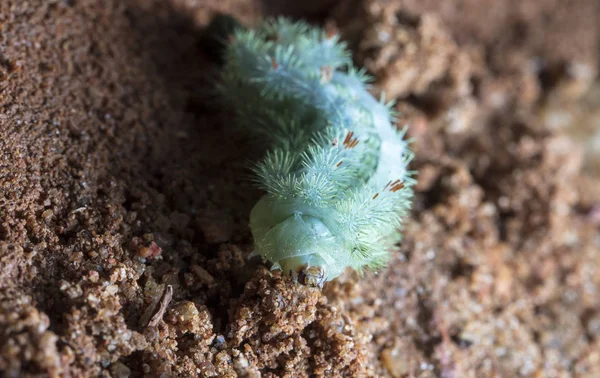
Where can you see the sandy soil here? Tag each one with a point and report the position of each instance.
(124, 197)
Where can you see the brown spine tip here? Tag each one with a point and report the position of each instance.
(338, 164)
(274, 63)
(376, 195)
(397, 187)
(348, 137)
(350, 141)
(330, 30)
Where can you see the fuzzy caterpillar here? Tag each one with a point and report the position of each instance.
(335, 174)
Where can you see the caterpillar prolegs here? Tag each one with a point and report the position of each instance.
(335, 174)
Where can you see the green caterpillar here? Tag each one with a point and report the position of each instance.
(335, 175)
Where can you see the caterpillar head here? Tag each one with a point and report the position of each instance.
(300, 245)
(308, 270)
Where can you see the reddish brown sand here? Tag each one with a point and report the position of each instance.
(124, 198)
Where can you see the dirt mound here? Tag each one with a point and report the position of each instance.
(124, 198)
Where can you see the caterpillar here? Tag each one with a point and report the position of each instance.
(336, 172)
